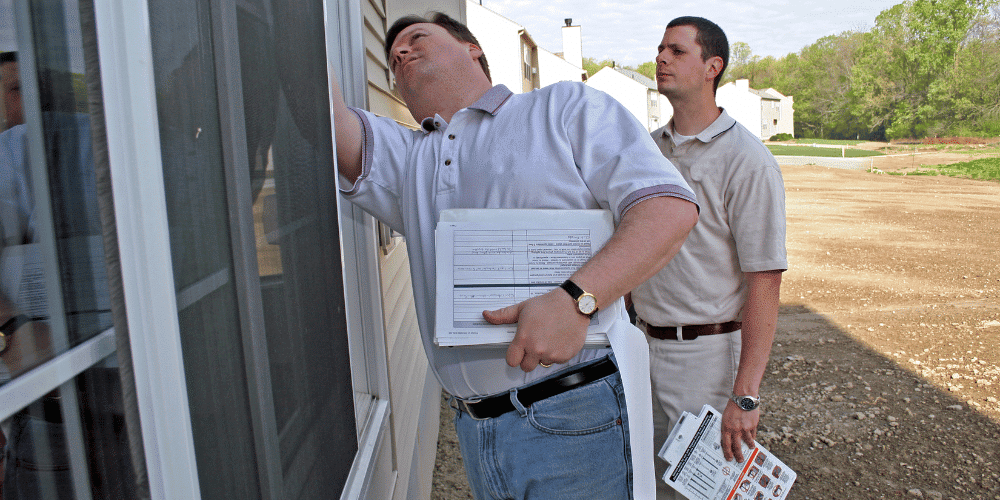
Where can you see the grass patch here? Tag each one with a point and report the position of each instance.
(986, 169)
(995, 150)
(783, 150)
(836, 142)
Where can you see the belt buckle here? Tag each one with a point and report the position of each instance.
(463, 405)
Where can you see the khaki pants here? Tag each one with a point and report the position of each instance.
(686, 375)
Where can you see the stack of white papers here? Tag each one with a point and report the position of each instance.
(493, 258)
(697, 469)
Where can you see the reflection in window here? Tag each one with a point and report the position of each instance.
(49, 217)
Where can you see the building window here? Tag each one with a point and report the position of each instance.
(65, 424)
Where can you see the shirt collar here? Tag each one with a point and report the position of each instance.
(490, 102)
(721, 124)
(493, 99)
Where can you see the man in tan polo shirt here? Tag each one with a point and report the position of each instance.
(710, 314)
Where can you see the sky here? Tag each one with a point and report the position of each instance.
(628, 31)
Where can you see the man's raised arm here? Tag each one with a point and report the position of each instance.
(348, 133)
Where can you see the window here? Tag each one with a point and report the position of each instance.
(66, 426)
(251, 206)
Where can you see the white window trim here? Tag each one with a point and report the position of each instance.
(362, 284)
(147, 273)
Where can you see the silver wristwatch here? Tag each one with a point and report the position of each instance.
(746, 403)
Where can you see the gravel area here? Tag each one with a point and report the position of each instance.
(884, 379)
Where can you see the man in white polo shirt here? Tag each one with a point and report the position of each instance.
(710, 313)
(543, 418)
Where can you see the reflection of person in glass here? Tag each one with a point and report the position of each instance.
(10, 86)
(30, 467)
(24, 342)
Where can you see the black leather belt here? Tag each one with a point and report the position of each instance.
(495, 406)
(691, 332)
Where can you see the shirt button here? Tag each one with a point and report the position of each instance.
(437, 124)
(451, 136)
(447, 162)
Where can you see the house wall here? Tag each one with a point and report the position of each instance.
(741, 104)
(770, 111)
(552, 69)
(630, 93)
(500, 39)
(666, 110)
(407, 459)
(786, 119)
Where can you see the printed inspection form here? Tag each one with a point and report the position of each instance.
(493, 258)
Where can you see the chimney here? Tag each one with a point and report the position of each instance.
(572, 44)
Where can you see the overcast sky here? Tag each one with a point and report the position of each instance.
(628, 31)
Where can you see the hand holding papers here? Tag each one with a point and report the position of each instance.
(697, 469)
(493, 258)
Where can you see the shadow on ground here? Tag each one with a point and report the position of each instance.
(852, 422)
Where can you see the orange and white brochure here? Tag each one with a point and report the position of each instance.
(697, 469)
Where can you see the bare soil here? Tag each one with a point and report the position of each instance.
(884, 378)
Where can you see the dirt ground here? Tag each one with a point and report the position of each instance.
(884, 378)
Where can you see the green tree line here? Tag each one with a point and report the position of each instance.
(928, 68)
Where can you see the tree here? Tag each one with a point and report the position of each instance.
(591, 65)
(821, 84)
(900, 81)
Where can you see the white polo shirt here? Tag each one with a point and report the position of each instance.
(565, 146)
(741, 227)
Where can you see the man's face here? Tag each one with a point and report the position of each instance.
(424, 51)
(680, 69)
(10, 84)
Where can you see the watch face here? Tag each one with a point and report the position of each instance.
(587, 304)
(746, 403)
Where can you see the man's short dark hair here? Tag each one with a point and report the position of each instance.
(710, 38)
(6, 57)
(456, 29)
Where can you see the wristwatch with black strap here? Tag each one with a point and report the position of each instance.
(586, 303)
(8, 328)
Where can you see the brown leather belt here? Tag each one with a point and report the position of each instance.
(691, 332)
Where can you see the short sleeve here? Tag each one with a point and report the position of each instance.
(616, 156)
(384, 152)
(757, 217)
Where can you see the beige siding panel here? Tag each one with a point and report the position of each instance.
(383, 484)
(383, 104)
(422, 474)
(376, 6)
(377, 76)
(409, 378)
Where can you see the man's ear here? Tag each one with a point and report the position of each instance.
(714, 67)
(475, 51)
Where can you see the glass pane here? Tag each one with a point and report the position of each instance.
(60, 126)
(36, 462)
(282, 57)
(281, 117)
(201, 250)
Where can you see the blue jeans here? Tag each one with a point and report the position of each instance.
(572, 445)
(37, 465)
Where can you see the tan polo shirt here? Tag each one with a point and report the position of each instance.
(741, 227)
